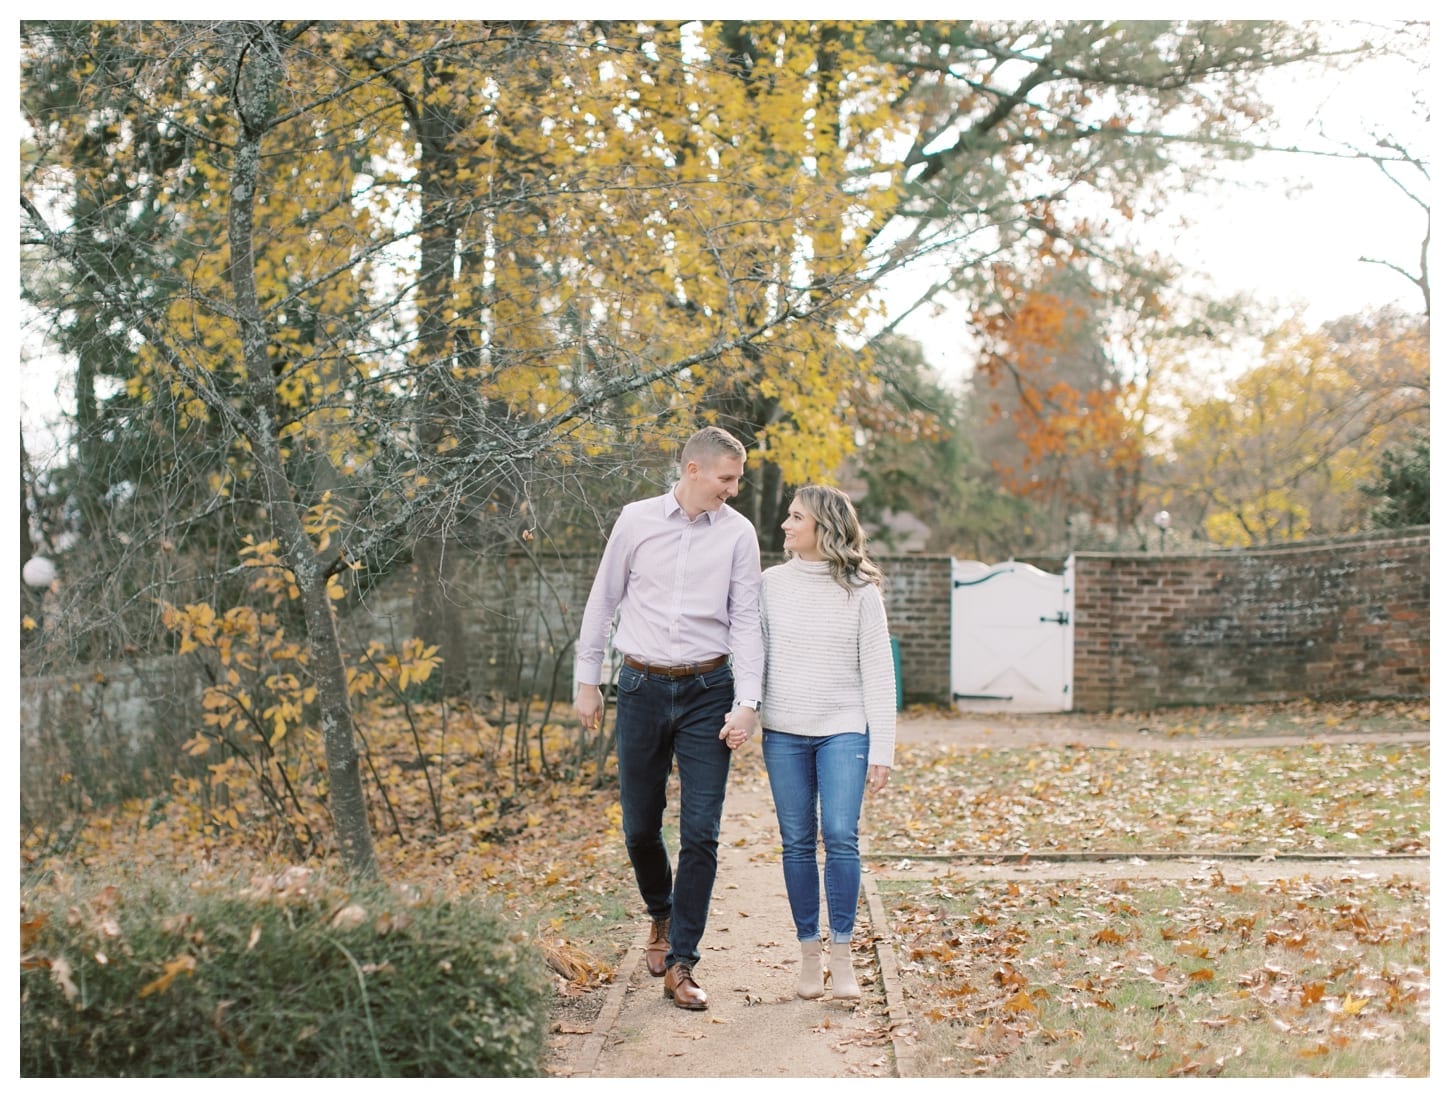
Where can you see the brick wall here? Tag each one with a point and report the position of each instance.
(919, 614)
(1337, 619)
(522, 620)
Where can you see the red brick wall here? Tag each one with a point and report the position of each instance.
(919, 614)
(1341, 619)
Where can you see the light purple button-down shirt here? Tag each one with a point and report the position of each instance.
(685, 591)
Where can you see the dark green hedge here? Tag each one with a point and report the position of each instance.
(277, 986)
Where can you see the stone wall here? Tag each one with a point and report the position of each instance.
(1348, 618)
(111, 730)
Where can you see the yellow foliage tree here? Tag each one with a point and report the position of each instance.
(1282, 453)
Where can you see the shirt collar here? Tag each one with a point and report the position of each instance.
(673, 507)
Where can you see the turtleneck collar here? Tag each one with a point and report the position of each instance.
(820, 567)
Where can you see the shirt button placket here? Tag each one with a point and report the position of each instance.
(677, 605)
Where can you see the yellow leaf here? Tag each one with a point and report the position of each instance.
(1351, 1005)
(27, 622)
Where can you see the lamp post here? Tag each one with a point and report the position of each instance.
(38, 574)
(1162, 520)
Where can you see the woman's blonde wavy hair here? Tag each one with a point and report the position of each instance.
(839, 535)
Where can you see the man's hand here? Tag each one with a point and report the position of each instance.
(877, 777)
(740, 725)
(589, 704)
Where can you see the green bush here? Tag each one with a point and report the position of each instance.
(290, 978)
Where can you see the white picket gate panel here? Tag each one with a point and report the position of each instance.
(1011, 638)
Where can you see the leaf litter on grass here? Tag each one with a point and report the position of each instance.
(1320, 797)
(1314, 975)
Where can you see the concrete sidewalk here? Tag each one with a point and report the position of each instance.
(755, 1025)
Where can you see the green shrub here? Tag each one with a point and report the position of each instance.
(289, 978)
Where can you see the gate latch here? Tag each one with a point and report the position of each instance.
(1060, 617)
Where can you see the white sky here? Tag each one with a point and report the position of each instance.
(1290, 230)
(1306, 246)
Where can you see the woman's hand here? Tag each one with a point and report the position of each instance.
(877, 777)
(740, 725)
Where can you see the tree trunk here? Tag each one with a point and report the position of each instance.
(260, 70)
(437, 613)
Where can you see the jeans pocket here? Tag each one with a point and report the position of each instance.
(721, 676)
(629, 680)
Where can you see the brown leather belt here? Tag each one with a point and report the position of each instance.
(675, 671)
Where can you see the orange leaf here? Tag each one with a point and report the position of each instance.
(185, 963)
(1020, 1003)
(30, 930)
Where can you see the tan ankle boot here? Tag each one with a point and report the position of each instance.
(810, 985)
(843, 980)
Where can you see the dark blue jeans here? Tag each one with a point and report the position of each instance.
(660, 720)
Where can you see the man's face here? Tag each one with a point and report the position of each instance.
(707, 487)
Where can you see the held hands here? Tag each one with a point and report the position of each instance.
(589, 704)
(877, 777)
(740, 725)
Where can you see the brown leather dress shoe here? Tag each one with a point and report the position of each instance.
(681, 987)
(658, 947)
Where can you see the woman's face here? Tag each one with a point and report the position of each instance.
(800, 532)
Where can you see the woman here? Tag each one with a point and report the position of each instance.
(828, 714)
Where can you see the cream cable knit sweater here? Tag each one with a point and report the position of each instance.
(828, 665)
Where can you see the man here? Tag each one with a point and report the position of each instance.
(683, 571)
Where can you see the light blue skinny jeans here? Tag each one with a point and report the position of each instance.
(829, 772)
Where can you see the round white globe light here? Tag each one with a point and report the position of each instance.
(38, 572)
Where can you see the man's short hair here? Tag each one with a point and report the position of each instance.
(711, 443)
